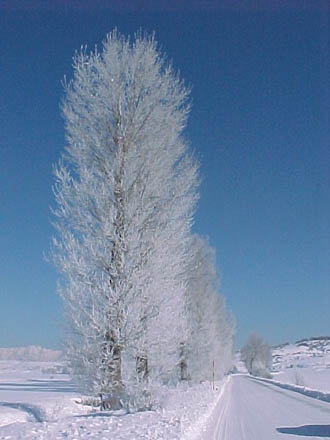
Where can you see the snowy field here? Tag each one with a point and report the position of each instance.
(316, 378)
(305, 363)
(38, 401)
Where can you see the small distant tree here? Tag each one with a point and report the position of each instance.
(257, 356)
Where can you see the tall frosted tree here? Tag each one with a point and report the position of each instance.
(126, 188)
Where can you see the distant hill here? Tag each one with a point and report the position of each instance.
(30, 353)
(309, 351)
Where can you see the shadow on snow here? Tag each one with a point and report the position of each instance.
(307, 430)
(55, 386)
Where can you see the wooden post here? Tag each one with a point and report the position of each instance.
(213, 386)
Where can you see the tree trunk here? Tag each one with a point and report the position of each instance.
(183, 363)
(112, 387)
(142, 368)
(117, 261)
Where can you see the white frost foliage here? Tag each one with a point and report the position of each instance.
(126, 189)
(211, 335)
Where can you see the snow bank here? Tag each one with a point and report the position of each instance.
(194, 405)
(316, 378)
(195, 430)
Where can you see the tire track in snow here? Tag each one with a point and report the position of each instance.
(218, 412)
(222, 417)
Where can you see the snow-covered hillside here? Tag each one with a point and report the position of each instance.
(313, 351)
(30, 353)
(305, 363)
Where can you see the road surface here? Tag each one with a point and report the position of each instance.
(252, 410)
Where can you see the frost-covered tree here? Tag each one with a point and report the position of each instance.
(257, 356)
(223, 345)
(126, 188)
(211, 328)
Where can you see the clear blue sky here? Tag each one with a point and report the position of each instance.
(259, 125)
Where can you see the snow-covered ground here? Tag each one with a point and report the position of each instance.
(38, 401)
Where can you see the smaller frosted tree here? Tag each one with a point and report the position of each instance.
(211, 333)
(257, 356)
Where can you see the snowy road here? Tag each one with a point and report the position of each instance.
(253, 410)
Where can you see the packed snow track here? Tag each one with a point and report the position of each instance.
(253, 410)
